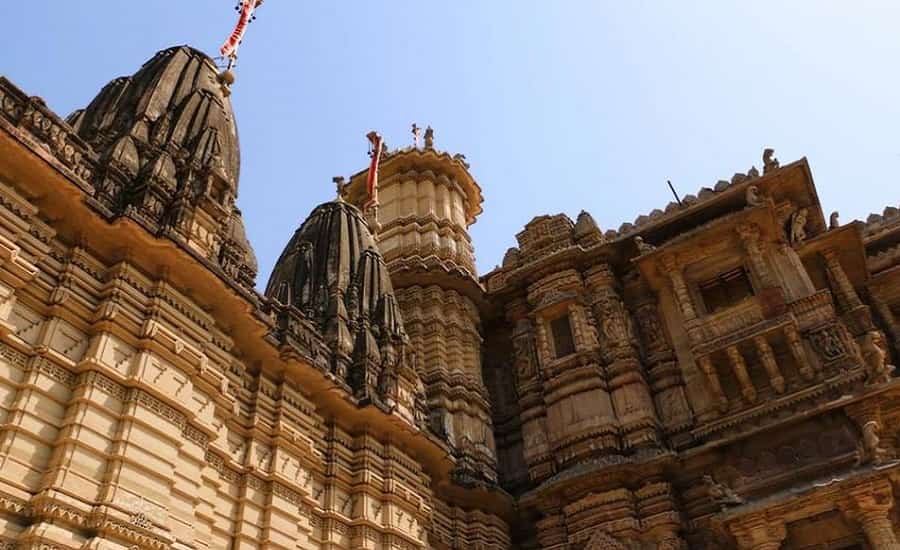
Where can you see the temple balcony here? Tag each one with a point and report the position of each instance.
(750, 357)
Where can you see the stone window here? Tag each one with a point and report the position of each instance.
(725, 289)
(563, 343)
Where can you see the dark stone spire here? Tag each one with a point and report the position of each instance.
(168, 145)
(332, 273)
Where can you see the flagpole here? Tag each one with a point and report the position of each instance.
(370, 207)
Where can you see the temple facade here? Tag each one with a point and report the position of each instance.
(715, 375)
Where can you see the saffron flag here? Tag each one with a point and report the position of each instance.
(229, 48)
(375, 142)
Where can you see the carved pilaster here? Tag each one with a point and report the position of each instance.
(759, 533)
(749, 234)
(846, 295)
(629, 390)
(679, 287)
(767, 358)
(715, 386)
(665, 375)
(888, 318)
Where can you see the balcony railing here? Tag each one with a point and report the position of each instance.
(716, 325)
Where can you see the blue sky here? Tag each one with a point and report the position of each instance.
(559, 106)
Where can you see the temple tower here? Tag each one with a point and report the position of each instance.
(427, 201)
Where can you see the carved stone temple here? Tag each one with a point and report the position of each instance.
(717, 374)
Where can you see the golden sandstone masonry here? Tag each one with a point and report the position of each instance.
(716, 375)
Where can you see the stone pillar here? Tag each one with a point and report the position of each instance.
(843, 289)
(870, 504)
(759, 533)
(798, 352)
(679, 287)
(767, 358)
(749, 234)
(715, 385)
(740, 372)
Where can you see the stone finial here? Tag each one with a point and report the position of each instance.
(339, 186)
(429, 138)
(769, 160)
(834, 220)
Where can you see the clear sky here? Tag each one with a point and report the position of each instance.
(559, 105)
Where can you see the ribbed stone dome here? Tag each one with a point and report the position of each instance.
(331, 271)
(174, 103)
(168, 147)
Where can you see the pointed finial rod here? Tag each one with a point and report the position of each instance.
(230, 48)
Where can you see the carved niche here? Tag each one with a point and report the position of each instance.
(525, 354)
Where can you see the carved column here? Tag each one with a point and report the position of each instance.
(798, 352)
(628, 387)
(715, 385)
(740, 372)
(767, 358)
(759, 533)
(749, 234)
(870, 505)
(843, 288)
(679, 287)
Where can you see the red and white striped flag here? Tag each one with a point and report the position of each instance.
(375, 142)
(229, 48)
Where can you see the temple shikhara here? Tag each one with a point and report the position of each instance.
(715, 375)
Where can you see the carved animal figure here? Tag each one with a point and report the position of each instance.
(875, 358)
(769, 160)
(720, 493)
(643, 247)
(753, 197)
(870, 450)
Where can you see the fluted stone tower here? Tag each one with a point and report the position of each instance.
(427, 201)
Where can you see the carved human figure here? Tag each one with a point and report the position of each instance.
(798, 226)
(872, 349)
(429, 138)
(834, 220)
